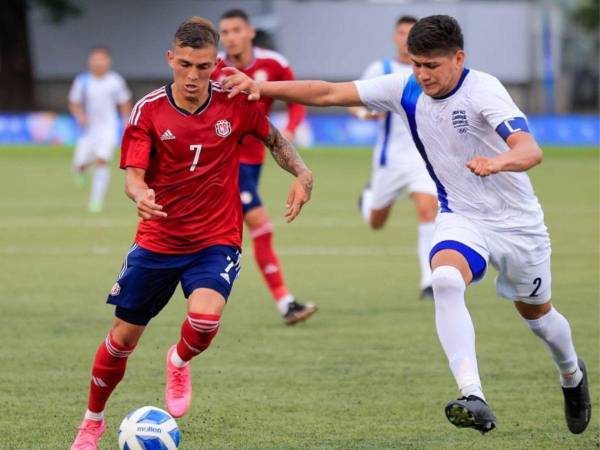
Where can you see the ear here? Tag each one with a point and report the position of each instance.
(253, 32)
(460, 57)
(169, 56)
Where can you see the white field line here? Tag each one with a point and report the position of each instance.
(357, 251)
(287, 251)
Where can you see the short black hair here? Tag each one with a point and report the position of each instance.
(196, 32)
(100, 49)
(406, 19)
(235, 13)
(435, 35)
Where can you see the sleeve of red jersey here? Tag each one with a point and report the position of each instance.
(137, 142)
(257, 122)
(296, 112)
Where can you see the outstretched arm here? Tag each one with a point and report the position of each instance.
(312, 92)
(288, 158)
(524, 154)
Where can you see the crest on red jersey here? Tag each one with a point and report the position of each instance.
(223, 128)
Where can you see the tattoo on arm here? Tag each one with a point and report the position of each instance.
(286, 155)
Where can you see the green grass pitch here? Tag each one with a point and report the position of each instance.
(366, 372)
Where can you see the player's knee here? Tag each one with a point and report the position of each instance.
(376, 223)
(533, 312)
(446, 280)
(378, 218)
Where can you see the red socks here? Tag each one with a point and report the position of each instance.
(108, 369)
(267, 260)
(197, 331)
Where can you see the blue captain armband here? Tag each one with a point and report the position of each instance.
(510, 126)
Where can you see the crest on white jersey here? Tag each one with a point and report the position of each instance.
(167, 136)
(261, 75)
(223, 128)
(460, 121)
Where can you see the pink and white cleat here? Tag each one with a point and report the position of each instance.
(90, 432)
(179, 387)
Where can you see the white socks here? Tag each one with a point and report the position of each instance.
(177, 361)
(555, 331)
(93, 416)
(365, 204)
(455, 329)
(423, 248)
(100, 182)
(283, 304)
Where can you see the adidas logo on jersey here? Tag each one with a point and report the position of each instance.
(167, 136)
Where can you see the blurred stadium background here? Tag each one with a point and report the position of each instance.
(367, 371)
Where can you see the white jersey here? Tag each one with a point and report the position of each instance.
(394, 145)
(472, 120)
(100, 97)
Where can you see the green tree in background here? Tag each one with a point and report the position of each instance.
(16, 76)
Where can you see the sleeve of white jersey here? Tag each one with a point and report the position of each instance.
(382, 93)
(123, 92)
(76, 91)
(496, 105)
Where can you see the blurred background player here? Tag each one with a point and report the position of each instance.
(236, 36)
(397, 165)
(93, 101)
(181, 155)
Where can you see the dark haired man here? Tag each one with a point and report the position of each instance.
(477, 147)
(181, 153)
(93, 100)
(236, 36)
(397, 165)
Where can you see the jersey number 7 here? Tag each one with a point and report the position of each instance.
(197, 148)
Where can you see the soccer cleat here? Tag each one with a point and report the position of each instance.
(427, 293)
(178, 392)
(578, 406)
(297, 312)
(471, 412)
(90, 432)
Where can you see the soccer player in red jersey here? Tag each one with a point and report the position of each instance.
(237, 35)
(181, 153)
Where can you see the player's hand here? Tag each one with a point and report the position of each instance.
(299, 195)
(82, 120)
(147, 208)
(236, 82)
(482, 166)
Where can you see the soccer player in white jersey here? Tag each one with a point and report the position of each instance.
(93, 100)
(397, 165)
(476, 145)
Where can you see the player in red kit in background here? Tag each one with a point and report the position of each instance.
(181, 153)
(236, 36)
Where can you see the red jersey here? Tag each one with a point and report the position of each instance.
(192, 163)
(266, 66)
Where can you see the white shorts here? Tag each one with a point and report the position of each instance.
(389, 183)
(521, 256)
(93, 145)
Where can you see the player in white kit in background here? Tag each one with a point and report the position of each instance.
(94, 99)
(397, 165)
(476, 145)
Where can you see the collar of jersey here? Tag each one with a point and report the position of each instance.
(183, 111)
(464, 74)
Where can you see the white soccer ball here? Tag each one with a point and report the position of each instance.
(149, 428)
